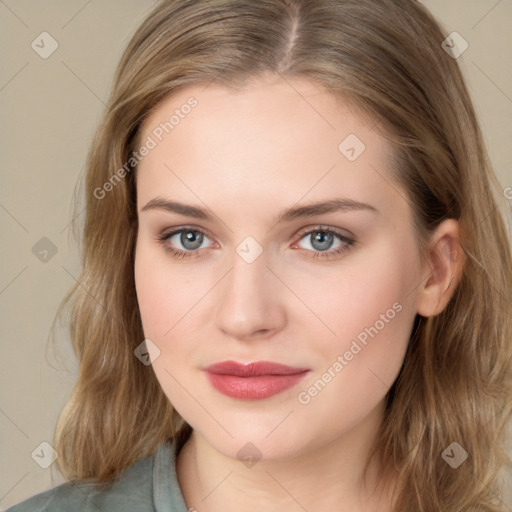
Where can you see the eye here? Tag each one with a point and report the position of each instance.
(191, 239)
(321, 241)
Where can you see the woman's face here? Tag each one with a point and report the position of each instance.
(261, 275)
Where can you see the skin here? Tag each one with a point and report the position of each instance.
(246, 156)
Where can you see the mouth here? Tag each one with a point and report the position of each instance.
(253, 381)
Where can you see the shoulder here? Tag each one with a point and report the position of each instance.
(131, 491)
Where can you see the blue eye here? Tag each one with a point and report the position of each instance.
(320, 238)
(189, 238)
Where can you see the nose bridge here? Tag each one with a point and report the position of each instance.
(249, 302)
(247, 283)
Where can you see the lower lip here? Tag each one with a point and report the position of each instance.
(254, 388)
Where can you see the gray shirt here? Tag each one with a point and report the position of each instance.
(148, 485)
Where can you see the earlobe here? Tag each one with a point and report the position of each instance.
(443, 269)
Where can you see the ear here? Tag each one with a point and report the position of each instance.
(442, 270)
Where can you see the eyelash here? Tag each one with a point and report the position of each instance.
(326, 255)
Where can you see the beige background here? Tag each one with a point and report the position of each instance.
(50, 108)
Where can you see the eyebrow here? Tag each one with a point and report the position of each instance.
(299, 212)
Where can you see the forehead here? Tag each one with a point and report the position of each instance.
(279, 139)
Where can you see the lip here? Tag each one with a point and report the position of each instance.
(253, 381)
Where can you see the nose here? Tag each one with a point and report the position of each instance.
(249, 301)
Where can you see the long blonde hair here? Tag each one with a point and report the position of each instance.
(386, 57)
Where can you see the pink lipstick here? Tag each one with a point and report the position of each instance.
(253, 381)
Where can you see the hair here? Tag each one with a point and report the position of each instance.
(386, 58)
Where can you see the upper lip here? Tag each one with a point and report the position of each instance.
(255, 369)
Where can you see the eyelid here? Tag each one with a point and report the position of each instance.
(348, 239)
(321, 227)
(166, 233)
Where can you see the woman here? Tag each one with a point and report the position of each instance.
(296, 281)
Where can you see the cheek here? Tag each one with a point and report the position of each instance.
(372, 310)
(153, 297)
(166, 300)
(165, 294)
(370, 290)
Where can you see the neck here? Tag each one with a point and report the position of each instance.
(328, 477)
